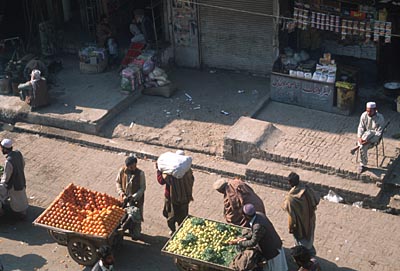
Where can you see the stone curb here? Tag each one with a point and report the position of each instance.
(140, 154)
(232, 149)
(272, 180)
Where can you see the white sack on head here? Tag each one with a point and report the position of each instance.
(174, 164)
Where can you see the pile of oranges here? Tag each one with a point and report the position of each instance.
(81, 210)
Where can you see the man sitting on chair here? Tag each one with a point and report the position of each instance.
(369, 131)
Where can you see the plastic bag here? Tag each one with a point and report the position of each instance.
(162, 83)
(333, 197)
(112, 47)
(158, 72)
(126, 84)
(148, 67)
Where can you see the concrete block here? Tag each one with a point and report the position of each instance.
(243, 140)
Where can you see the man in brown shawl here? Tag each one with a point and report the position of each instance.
(178, 195)
(300, 204)
(236, 194)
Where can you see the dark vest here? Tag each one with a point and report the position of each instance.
(135, 185)
(270, 242)
(17, 179)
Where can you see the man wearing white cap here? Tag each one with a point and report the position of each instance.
(369, 130)
(13, 183)
(262, 234)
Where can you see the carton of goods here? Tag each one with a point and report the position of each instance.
(83, 211)
(204, 242)
(93, 68)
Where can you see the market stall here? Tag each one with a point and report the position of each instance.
(302, 81)
(320, 45)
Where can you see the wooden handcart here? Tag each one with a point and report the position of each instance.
(82, 246)
(184, 263)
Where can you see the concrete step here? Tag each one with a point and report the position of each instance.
(250, 138)
(265, 172)
(201, 161)
(70, 117)
(274, 174)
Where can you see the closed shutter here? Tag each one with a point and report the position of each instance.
(237, 40)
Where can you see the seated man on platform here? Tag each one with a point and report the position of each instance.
(369, 132)
(34, 92)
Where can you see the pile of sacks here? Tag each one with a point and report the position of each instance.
(156, 81)
(156, 78)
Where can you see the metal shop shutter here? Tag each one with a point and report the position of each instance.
(236, 40)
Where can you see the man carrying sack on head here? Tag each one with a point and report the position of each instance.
(173, 171)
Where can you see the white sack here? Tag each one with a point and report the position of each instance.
(174, 164)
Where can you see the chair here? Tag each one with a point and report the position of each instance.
(376, 145)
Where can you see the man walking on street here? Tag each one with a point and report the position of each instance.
(236, 194)
(369, 131)
(13, 183)
(178, 194)
(131, 184)
(300, 204)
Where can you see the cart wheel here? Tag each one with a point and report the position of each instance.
(82, 251)
(185, 265)
(60, 238)
(117, 240)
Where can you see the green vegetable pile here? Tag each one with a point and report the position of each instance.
(205, 240)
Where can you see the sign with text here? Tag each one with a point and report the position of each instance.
(302, 92)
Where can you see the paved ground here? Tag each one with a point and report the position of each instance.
(347, 238)
(326, 139)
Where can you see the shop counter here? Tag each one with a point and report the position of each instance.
(305, 92)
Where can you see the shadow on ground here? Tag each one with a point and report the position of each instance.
(28, 262)
(296, 116)
(325, 264)
(143, 255)
(24, 231)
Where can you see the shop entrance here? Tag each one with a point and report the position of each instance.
(237, 40)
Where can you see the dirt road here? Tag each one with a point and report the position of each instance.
(347, 238)
(192, 117)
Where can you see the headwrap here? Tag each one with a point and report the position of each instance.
(219, 184)
(371, 105)
(130, 160)
(249, 210)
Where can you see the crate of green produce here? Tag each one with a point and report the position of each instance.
(204, 243)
